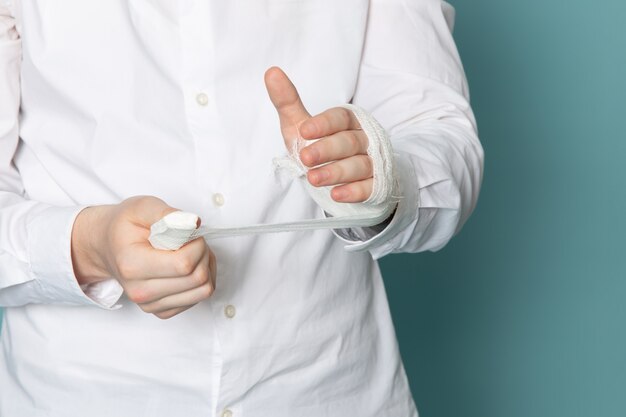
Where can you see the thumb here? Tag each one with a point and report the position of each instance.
(146, 210)
(286, 100)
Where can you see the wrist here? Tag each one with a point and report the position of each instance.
(88, 234)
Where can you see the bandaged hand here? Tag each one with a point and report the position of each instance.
(339, 156)
(111, 241)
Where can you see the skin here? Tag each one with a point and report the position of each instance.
(342, 145)
(112, 240)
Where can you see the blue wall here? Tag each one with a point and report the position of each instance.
(524, 313)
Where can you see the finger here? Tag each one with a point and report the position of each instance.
(168, 314)
(212, 269)
(329, 122)
(287, 102)
(355, 192)
(338, 146)
(146, 210)
(151, 290)
(145, 262)
(186, 298)
(354, 168)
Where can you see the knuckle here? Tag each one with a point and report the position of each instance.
(353, 143)
(201, 275)
(148, 200)
(147, 205)
(211, 255)
(140, 202)
(206, 291)
(134, 295)
(362, 192)
(337, 172)
(126, 268)
(346, 116)
(366, 164)
(355, 192)
(184, 265)
(212, 268)
(165, 315)
(148, 308)
(324, 119)
(133, 200)
(212, 259)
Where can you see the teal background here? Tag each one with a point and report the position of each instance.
(522, 314)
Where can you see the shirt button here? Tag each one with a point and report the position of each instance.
(230, 311)
(227, 413)
(202, 99)
(218, 199)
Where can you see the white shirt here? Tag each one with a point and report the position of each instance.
(166, 98)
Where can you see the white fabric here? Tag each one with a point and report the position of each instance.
(176, 229)
(166, 98)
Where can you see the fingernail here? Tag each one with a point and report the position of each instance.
(323, 175)
(340, 194)
(317, 177)
(310, 156)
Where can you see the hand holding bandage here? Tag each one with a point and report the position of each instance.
(110, 241)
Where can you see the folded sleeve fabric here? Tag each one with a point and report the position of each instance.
(35, 238)
(412, 81)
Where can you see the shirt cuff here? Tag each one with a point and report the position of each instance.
(398, 231)
(50, 258)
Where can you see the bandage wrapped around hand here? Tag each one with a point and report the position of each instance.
(178, 228)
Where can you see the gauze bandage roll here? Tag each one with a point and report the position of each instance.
(178, 228)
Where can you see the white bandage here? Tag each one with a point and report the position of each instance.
(172, 229)
(178, 228)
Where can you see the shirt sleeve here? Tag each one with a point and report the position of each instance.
(35, 237)
(412, 81)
